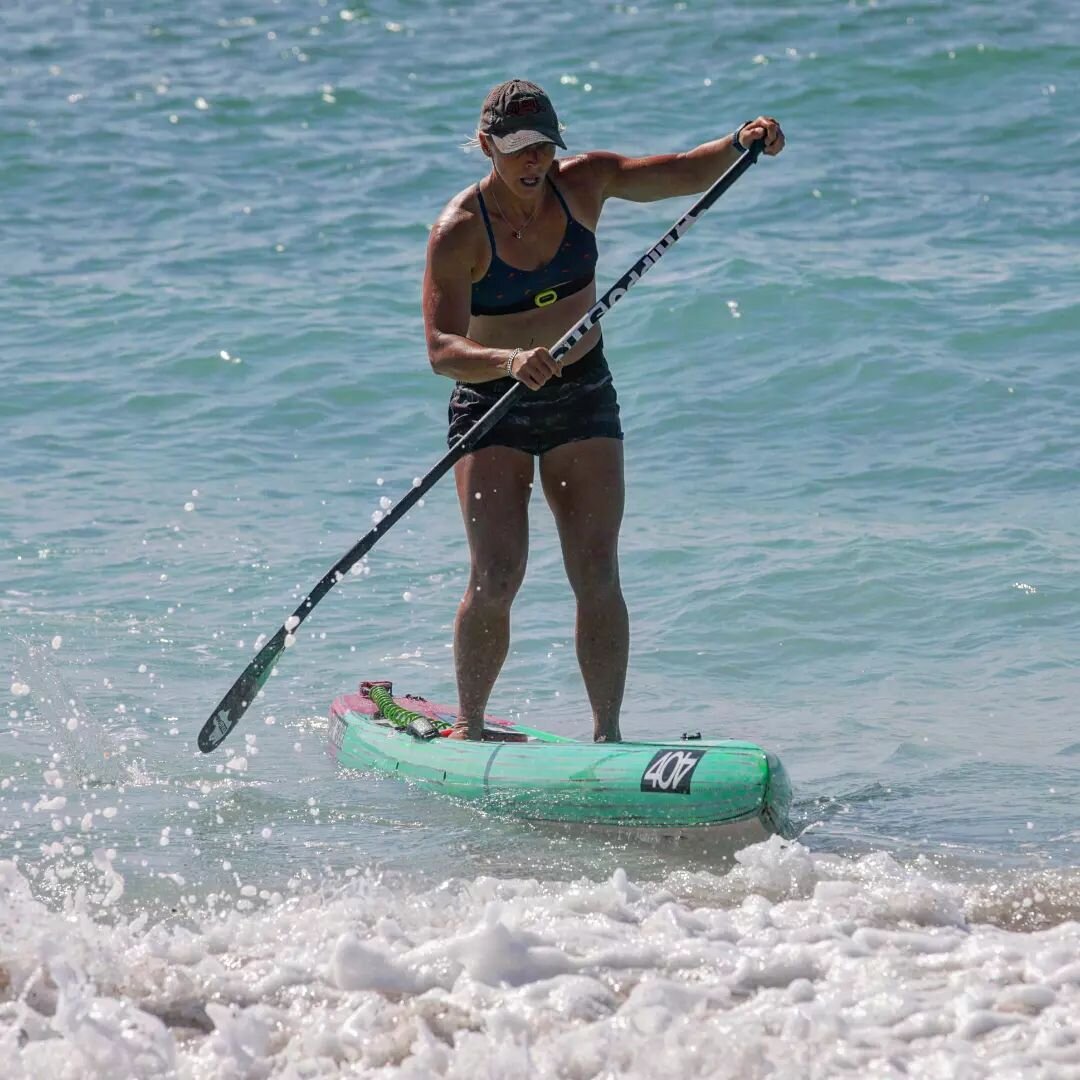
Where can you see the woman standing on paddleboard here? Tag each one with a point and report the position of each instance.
(510, 266)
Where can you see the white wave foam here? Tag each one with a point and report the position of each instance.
(791, 964)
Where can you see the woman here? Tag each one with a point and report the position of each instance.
(510, 269)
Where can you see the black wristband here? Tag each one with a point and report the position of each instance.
(735, 138)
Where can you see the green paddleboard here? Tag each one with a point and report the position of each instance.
(688, 784)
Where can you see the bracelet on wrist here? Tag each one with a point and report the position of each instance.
(735, 141)
(510, 363)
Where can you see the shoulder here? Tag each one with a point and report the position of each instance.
(459, 228)
(584, 180)
(588, 170)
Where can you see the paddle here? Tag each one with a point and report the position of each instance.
(242, 693)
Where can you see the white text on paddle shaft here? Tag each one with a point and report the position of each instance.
(623, 286)
(670, 771)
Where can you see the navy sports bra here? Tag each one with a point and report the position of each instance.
(505, 288)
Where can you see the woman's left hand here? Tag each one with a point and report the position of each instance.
(764, 127)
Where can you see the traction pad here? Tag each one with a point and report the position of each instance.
(422, 731)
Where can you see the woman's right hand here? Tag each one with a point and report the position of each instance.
(534, 367)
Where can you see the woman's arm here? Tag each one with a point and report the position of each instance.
(661, 176)
(447, 301)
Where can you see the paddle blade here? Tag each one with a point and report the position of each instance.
(242, 693)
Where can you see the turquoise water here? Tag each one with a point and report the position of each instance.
(851, 406)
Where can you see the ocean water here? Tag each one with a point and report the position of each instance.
(852, 408)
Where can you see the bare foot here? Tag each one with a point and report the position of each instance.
(461, 731)
(487, 736)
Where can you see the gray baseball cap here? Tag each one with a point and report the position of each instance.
(517, 114)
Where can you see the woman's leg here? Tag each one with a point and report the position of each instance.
(583, 482)
(493, 485)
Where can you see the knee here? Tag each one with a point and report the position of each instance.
(594, 571)
(496, 582)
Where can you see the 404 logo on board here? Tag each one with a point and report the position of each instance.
(670, 771)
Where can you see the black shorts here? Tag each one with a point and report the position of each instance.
(580, 405)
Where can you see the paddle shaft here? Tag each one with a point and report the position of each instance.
(242, 693)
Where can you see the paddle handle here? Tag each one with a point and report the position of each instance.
(243, 692)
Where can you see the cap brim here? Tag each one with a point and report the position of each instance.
(519, 140)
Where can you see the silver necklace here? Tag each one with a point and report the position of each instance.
(502, 213)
